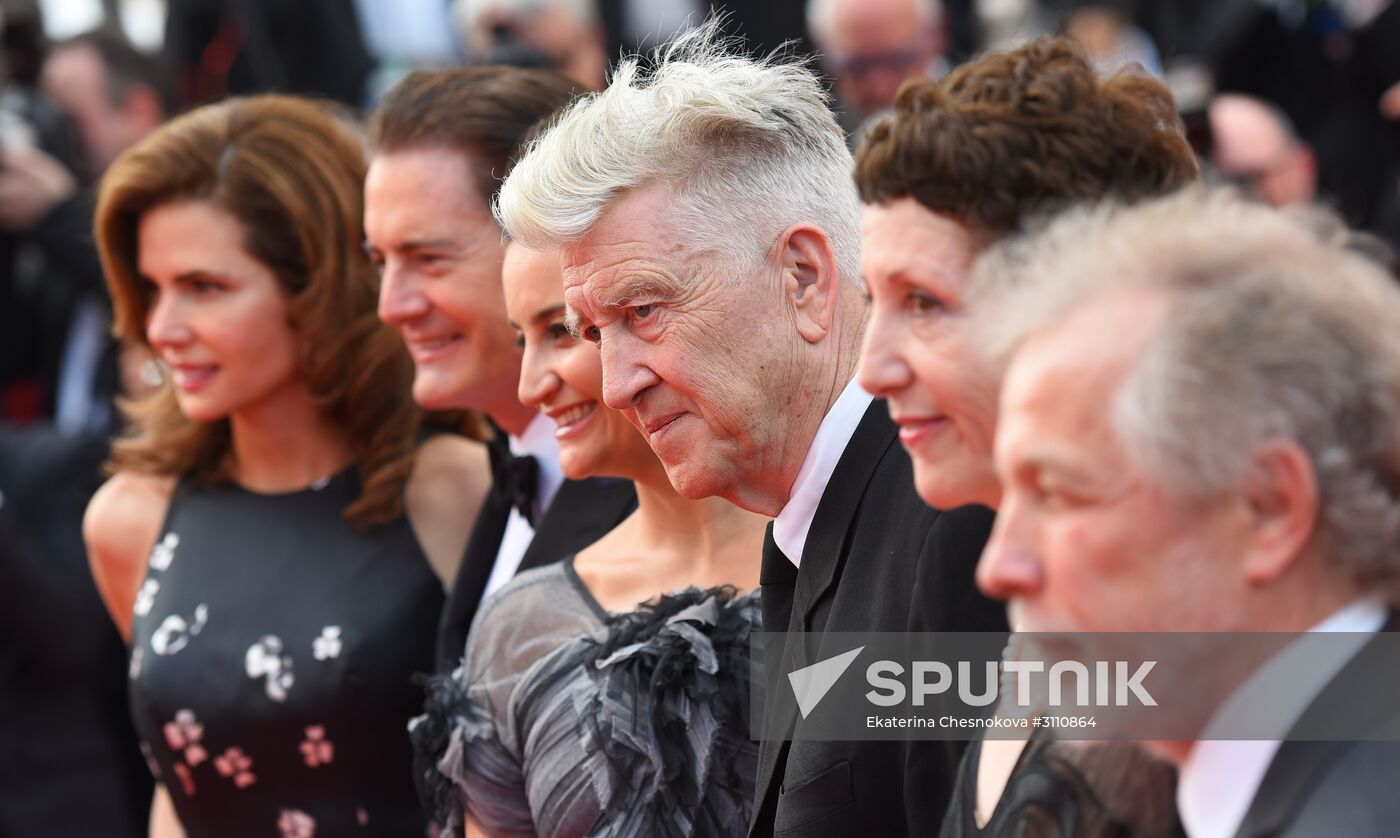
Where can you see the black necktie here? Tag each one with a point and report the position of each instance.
(516, 478)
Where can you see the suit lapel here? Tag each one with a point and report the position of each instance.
(582, 512)
(1300, 759)
(784, 595)
(472, 575)
(826, 540)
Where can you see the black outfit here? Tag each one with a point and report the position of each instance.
(273, 655)
(876, 559)
(64, 722)
(1060, 790)
(1317, 787)
(581, 512)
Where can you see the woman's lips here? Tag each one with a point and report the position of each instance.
(191, 378)
(914, 430)
(572, 420)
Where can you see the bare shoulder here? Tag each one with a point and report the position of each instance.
(451, 476)
(121, 524)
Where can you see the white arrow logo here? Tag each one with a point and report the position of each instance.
(811, 683)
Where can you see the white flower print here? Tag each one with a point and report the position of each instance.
(183, 734)
(175, 632)
(133, 666)
(146, 597)
(236, 764)
(328, 645)
(294, 823)
(316, 749)
(265, 659)
(164, 552)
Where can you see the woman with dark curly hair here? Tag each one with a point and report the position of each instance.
(960, 164)
(268, 541)
(606, 694)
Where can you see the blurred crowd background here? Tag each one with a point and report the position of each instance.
(1294, 99)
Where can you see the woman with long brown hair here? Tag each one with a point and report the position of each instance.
(274, 538)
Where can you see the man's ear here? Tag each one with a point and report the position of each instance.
(810, 281)
(1283, 504)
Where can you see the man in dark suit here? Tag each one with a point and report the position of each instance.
(1198, 433)
(710, 233)
(441, 142)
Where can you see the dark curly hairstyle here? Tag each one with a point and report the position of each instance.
(1016, 134)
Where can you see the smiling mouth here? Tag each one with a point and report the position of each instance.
(189, 377)
(574, 415)
(434, 344)
(915, 430)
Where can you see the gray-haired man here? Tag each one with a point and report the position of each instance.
(1200, 431)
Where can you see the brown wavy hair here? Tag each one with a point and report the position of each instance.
(292, 172)
(1018, 134)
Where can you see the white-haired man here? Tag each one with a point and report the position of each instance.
(710, 232)
(1200, 431)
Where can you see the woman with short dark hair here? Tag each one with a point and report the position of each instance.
(960, 164)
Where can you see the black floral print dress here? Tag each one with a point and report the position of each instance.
(272, 664)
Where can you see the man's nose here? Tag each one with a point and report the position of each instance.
(626, 374)
(400, 298)
(1009, 568)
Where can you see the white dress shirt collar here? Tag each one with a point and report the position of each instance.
(1220, 777)
(791, 526)
(537, 441)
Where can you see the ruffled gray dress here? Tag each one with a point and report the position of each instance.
(565, 720)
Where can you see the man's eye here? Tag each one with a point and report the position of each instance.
(592, 334)
(642, 312)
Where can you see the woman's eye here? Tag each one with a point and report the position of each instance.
(920, 302)
(202, 287)
(519, 342)
(558, 331)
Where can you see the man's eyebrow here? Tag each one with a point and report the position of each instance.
(573, 322)
(639, 288)
(428, 244)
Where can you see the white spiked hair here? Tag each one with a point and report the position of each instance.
(748, 145)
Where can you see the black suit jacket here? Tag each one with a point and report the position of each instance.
(1316, 787)
(582, 512)
(876, 559)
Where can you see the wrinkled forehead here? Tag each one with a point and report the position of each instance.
(1062, 381)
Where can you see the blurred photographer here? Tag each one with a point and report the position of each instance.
(561, 35)
(114, 96)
